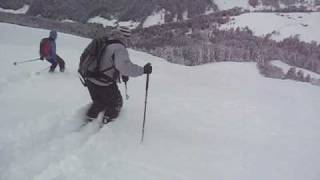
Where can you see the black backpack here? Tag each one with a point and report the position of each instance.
(89, 66)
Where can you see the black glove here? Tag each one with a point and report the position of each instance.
(41, 58)
(125, 78)
(147, 69)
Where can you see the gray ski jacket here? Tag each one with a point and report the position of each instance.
(116, 54)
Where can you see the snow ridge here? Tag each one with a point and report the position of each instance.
(22, 10)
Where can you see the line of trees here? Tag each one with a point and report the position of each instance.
(290, 5)
(198, 43)
(190, 46)
(271, 71)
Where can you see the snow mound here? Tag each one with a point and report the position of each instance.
(22, 10)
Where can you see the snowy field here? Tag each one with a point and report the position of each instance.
(306, 25)
(219, 121)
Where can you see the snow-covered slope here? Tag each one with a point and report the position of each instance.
(228, 4)
(155, 19)
(106, 22)
(285, 68)
(218, 121)
(103, 21)
(306, 25)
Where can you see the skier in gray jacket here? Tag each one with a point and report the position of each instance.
(115, 61)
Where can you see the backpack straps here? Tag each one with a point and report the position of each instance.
(101, 74)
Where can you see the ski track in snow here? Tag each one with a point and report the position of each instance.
(217, 121)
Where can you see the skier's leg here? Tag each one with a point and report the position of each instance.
(53, 65)
(61, 63)
(114, 104)
(98, 104)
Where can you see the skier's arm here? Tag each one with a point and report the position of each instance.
(53, 51)
(123, 63)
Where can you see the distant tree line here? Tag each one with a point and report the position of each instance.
(195, 46)
(290, 5)
(197, 43)
(271, 71)
(123, 10)
(289, 9)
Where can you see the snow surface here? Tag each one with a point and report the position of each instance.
(22, 10)
(158, 18)
(306, 25)
(229, 4)
(113, 23)
(68, 20)
(100, 20)
(155, 19)
(285, 68)
(217, 121)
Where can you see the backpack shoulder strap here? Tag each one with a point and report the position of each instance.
(107, 43)
(114, 41)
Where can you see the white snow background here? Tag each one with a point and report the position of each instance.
(219, 121)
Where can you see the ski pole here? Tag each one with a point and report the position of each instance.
(21, 62)
(145, 108)
(126, 90)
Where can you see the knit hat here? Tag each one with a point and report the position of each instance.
(53, 34)
(125, 31)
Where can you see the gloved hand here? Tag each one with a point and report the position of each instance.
(41, 58)
(125, 78)
(147, 69)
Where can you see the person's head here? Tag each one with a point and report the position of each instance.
(121, 33)
(53, 35)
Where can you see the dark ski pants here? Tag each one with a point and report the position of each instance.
(59, 62)
(105, 98)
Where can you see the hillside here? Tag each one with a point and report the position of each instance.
(260, 5)
(125, 10)
(139, 13)
(216, 121)
(279, 25)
